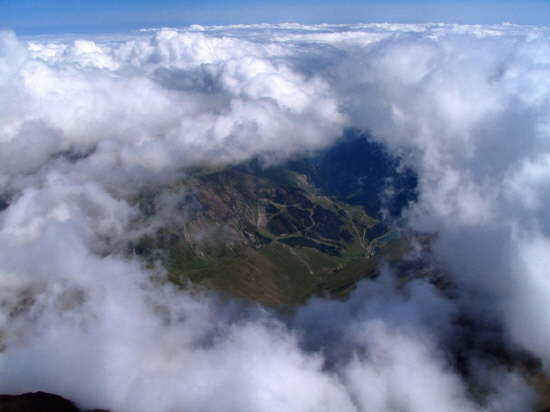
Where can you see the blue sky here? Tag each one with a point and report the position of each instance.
(56, 16)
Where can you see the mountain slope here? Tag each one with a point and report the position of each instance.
(273, 234)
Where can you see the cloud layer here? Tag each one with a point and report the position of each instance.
(88, 123)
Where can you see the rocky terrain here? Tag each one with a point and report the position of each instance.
(38, 402)
(278, 234)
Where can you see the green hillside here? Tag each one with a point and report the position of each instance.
(267, 235)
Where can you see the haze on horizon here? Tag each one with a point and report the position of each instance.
(80, 16)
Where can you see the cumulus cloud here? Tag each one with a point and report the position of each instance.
(471, 113)
(152, 106)
(86, 124)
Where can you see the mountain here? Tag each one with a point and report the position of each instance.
(38, 402)
(359, 171)
(278, 234)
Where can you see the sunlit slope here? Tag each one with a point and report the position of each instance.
(271, 238)
(280, 234)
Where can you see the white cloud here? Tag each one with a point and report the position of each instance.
(470, 112)
(151, 106)
(86, 123)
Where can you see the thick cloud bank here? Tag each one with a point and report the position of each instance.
(85, 124)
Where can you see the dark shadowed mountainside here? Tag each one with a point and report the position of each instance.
(38, 402)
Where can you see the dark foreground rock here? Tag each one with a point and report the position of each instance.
(38, 402)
